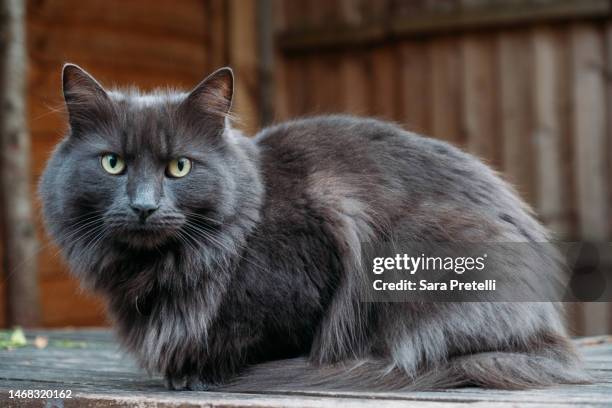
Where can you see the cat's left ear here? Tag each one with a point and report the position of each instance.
(87, 102)
(213, 95)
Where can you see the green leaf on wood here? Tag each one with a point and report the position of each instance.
(10, 339)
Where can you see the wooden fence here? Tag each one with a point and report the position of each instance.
(524, 84)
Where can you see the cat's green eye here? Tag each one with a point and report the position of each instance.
(112, 163)
(179, 167)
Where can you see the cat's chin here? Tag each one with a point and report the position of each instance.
(143, 239)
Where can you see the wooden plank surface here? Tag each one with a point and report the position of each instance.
(89, 363)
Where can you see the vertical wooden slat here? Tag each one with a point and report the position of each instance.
(265, 60)
(321, 83)
(2, 304)
(20, 246)
(350, 12)
(297, 80)
(550, 89)
(325, 86)
(446, 98)
(415, 96)
(480, 98)
(281, 15)
(553, 172)
(216, 35)
(590, 146)
(514, 59)
(244, 58)
(291, 99)
(353, 64)
(323, 13)
(377, 10)
(281, 87)
(354, 77)
(384, 82)
(608, 51)
(608, 77)
(590, 131)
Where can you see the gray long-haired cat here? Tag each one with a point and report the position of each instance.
(231, 261)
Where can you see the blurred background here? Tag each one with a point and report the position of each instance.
(524, 84)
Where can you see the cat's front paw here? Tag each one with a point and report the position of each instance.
(186, 383)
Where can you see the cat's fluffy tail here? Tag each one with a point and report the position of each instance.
(499, 370)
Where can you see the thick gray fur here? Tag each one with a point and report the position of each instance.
(248, 274)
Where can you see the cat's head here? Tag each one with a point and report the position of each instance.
(138, 169)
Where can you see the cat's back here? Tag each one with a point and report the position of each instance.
(333, 134)
(349, 143)
(369, 153)
(343, 145)
(363, 165)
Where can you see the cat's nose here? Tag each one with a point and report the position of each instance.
(144, 210)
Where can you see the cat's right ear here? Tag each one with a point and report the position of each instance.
(86, 100)
(213, 96)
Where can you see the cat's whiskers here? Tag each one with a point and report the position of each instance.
(184, 239)
(208, 236)
(78, 218)
(203, 217)
(40, 248)
(94, 235)
(85, 234)
(235, 251)
(199, 245)
(80, 224)
(90, 224)
(98, 238)
(51, 110)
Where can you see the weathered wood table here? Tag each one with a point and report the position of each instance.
(89, 364)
